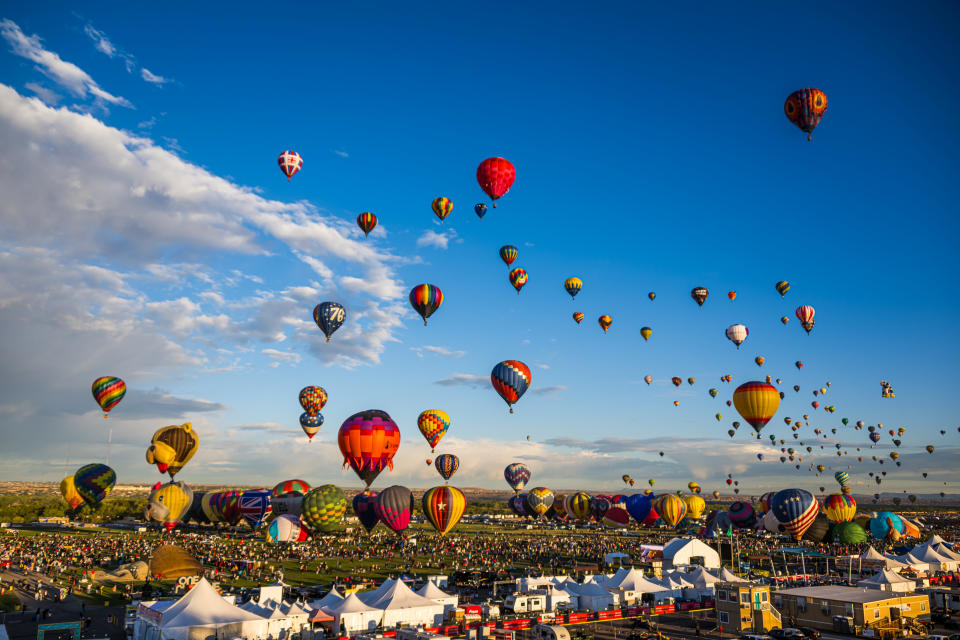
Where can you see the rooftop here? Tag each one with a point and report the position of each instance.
(841, 594)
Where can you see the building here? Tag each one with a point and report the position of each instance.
(743, 607)
(850, 609)
(687, 553)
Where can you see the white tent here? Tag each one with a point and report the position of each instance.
(886, 580)
(592, 596)
(351, 614)
(369, 596)
(932, 557)
(729, 576)
(616, 556)
(701, 578)
(433, 592)
(201, 607)
(685, 552)
(333, 597)
(400, 605)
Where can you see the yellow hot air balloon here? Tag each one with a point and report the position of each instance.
(69, 492)
(573, 286)
(840, 507)
(646, 332)
(671, 508)
(694, 487)
(757, 402)
(169, 503)
(172, 447)
(695, 506)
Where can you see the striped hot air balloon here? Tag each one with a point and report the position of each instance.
(510, 379)
(840, 507)
(442, 207)
(368, 441)
(671, 508)
(108, 391)
(425, 300)
(805, 315)
(757, 402)
(443, 507)
(367, 222)
(446, 465)
(517, 476)
(795, 509)
(577, 506)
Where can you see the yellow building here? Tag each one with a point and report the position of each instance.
(868, 612)
(743, 607)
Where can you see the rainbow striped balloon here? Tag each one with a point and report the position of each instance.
(108, 391)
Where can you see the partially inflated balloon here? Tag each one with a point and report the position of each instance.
(329, 316)
(442, 207)
(510, 379)
(395, 508)
(433, 424)
(108, 391)
(446, 465)
(756, 402)
(368, 441)
(695, 506)
(443, 507)
(496, 176)
(805, 109)
(255, 507)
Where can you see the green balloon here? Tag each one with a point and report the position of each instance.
(323, 508)
(848, 533)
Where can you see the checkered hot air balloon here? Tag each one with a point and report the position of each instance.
(290, 163)
(313, 399)
(395, 508)
(323, 508)
(108, 391)
(94, 482)
(510, 379)
(443, 507)
(446, 465)
(433, 424)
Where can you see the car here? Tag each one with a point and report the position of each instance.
(811, 634)
(786, 634)
(936, 637)
(754, 636)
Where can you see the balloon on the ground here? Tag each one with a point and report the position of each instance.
(286, 528)
(255, 507)
(539, 499)
(695, 506)
(287, 497)
(795, 509)
(365, 506)
(168, 504)
(840, 507)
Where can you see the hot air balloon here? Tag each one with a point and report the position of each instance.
(884, 523)
(255, 507)
(168, 504)
(480, 209)
(446, 465)
(108, 391)
(795, 509)
(840, 507)
(433, 424)
(368, 441)
(599, 505)
(311, 424)
(287, 497)
(286, 528)
(699, 295)
(737, 333)
(671, 508)
(508, 253)
(518, 278)
(695, 506)
(805, 316)
(313, 399)
(782, 287)
(651, 295)
(732, 295)
(496, 176)
(94, 482)
(784, 319)
(539, 500)
(69, 492)
(578, 317)
(573, 286)
(395, 508)
(323, 508)
(742, 514)
(676, 380)
(756, 402)
(648, 379)
(425, 299)
(510, 379)
(443, 507)
(172, 447)
(442, 208)
(605, 322)
(366, 221)
(625, 478)
(365, 506)
(646, 332)
(578, 506)
(842, 477)
(805, 109)
(798, 365)
(713, 393)
(329, 316)
(517, 475)
(290, 163)
(690, 381)
(759, 360)
(929, 448)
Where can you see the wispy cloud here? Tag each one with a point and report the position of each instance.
(100, 41)
(440, 351)
(544, 391)
(66, 74)
(431, 238)
(465, 380)
(289, 357)
(152, 78)
(49, 96)
(341, 153)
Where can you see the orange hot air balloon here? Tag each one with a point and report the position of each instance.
(676, 380)
(757, 402)
(368, 441)
(676, 403)
(605, 322)
(759, 360)
(732, 295)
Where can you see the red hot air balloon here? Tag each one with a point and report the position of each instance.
(496, 176)
(290, 163)
(805, 316)
(368, 441)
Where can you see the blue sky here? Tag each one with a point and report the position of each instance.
(151, 235)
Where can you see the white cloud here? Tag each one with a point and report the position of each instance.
(544, 391)
(100, 41)
(282, 356)
(437, 350)
(64, 73)
(431, 238)
(48, 96)
(464, 379)
(342, 154)
(153, 78)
